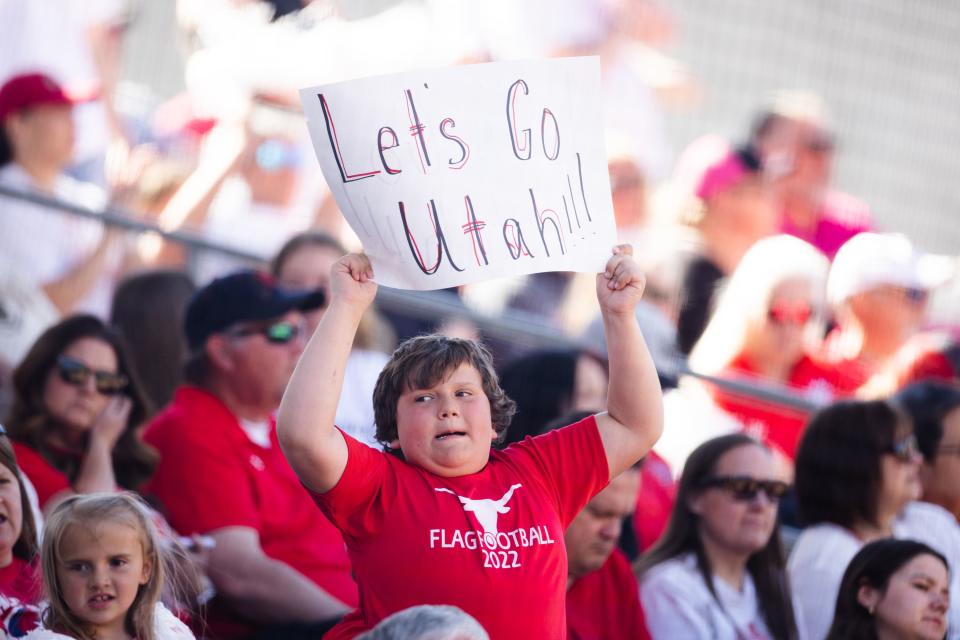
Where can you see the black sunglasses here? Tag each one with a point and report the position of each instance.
(745, 488)
(276, 333)
(74, 372)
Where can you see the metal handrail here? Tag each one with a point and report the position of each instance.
(510, 325)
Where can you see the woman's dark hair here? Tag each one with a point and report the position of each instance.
(6, 147)
(25, 548)
(31, 424)
(928, 403)
(843, 446)
(873, 566)
(766, 566)
(423, 361)
(542, 384)
(374, 333)
(148, 311)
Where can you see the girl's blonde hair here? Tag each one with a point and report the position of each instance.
(120, 508)
(767, 264)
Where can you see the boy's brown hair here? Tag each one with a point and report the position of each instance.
(423, 361)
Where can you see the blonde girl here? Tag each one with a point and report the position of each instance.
(103, 572)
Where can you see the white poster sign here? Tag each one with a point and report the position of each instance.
(464, 174)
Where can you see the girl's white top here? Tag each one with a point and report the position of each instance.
(166, 626)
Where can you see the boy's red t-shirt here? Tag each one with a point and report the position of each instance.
(605, 604)
(490, 542)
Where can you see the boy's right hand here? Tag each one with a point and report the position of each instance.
(351, 281)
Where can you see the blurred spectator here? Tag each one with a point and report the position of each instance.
(893, 589)
(78, 46)
(548, 384)
(762, 331)
(245, 192)
(730, 207)
(77, 409)
(602, 597)
(19, 539)
(879, 285)
(858, 480)
(148, 310)
(930, 355)
(718, 570)
(71, 258)
(303, 264)
(428, 622)
(279, 567)
(934, 408)
(793, 140)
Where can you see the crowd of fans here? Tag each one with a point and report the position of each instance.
(169, 466)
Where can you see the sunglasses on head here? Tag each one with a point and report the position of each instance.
(782, 313)
(745, 488)
(76, 373)
(905, 449)
(277, 333)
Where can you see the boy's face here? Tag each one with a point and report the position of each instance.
(446, 428)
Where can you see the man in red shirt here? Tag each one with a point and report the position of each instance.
(879, 286)
(279, 567)
(602, 598)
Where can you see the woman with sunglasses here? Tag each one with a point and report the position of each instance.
(75, 413)
(858, 480)
(763, 330)
(718, 571)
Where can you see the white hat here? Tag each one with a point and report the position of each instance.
(870, 260)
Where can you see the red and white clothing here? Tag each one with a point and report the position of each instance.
(21, 580)
(212, 475)
(774, 424)
(490, 542)
(605, 604)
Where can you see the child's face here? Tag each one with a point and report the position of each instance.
(11, 514)
(101, 569)
(446, 428)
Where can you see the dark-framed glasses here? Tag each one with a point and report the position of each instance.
(276, 333)
(905, 449)
(75, 373)
(745, 488)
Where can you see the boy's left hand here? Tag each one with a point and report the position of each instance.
(621, 284)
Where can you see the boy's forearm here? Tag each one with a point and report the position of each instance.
(634, 398)
(309, 404)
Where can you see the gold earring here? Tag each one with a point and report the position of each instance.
(872, 608)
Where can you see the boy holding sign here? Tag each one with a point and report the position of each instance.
(440, 518)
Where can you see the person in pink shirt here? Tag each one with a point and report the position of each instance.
(439, 516)
(795, 142)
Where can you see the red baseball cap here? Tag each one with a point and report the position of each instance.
(29, 90)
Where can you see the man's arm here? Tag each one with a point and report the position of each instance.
(305, 422)
(634, 418)
(265, 589)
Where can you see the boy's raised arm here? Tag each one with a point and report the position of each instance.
(634, 418)
(305, 422)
